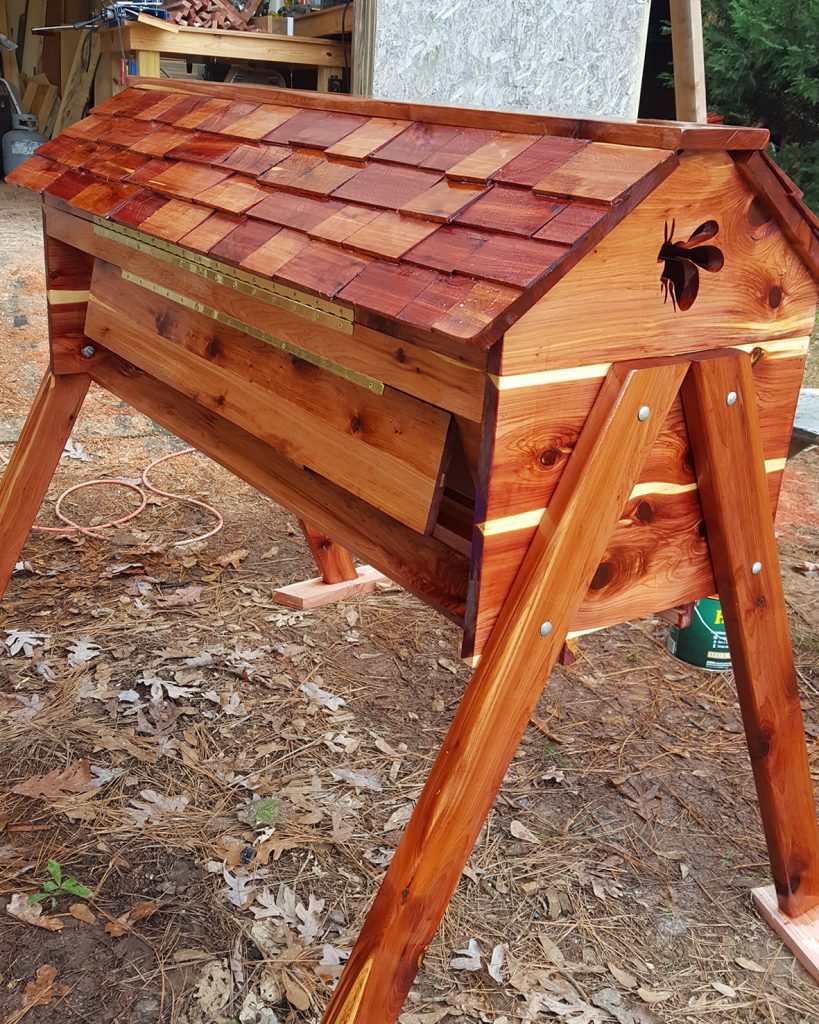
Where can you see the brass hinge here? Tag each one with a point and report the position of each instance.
(361, 379)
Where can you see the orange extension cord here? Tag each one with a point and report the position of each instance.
(94, 531)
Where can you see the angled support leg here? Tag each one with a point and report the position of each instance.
(726, 444)
(339, 580)
(503, 692)
(34, 460)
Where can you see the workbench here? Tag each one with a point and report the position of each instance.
(539, 371)
(148, 43)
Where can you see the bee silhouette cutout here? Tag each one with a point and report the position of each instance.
(682, 262)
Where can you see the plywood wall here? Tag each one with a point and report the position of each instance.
(557, 56)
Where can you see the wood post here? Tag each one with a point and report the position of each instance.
(34, 460)
(689, 61)
(334, 562)
(726, 444)
(503, 692)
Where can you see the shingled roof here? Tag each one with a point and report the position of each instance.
(453, 229)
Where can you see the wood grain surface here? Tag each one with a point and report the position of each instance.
(501, 697)
(728, 456)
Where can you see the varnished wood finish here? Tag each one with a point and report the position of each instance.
(422, 565)
(501, 696)
(33, 461)
(387, 449)
(620, 280)
(665, 134)
(447, 379)
(334, 562)
(727, 448)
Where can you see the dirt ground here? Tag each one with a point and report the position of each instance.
(229, 779)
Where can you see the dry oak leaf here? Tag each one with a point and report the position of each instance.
(82, 912)
(125, 922)
(295, 993)
(76, 778)
(32, 913)
(233, 558)
(40, 991)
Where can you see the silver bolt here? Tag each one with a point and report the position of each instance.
(87, 351)
(643, 413)
(730, 398)
(545, 629)
(756, 568)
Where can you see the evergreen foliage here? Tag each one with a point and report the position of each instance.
(762, 68)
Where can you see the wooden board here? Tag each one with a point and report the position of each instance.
(657, 557)
(387, 449)
(78, 86)
(315, 593)
(762, 291)
(10, 71)
(449, 381)
(800, 934)
(33, 44)
(422, 565)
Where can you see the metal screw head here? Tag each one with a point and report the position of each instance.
(730, 398)
(756, 568)
(87, 351)
(545, 629)
(643, 413)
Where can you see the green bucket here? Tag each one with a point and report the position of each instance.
(703, 643)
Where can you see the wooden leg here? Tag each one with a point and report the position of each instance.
(324, 76)
(34, 460)
(147, 63)
(503, 692)
(726, 444)
(339, 580)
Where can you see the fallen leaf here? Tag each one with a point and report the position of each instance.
(154, 806)
(81, 652)
(76, 778)
(724, 990)
(32, 913)
(82, 912)
(495, 967)
(750, 965)
(233, 560)
(361, 780)
(125, 922)
(609, 999)
(324, 697)
(623, 977)
(39, 992)
(240, 887)
(76, 450)
(552, 950)
(653, 996)
(23, 640)
(296, 994)
(468, 959)
(181, 597)
(520, 831)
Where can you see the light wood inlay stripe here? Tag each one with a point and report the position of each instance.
(66, 298)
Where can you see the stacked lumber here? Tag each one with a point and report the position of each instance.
(213, 14)
(42, 99)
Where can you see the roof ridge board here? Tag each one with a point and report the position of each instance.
(669, 135)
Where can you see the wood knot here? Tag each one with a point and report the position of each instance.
(549, 456)
(775, 297)
(164, 322)
(645, 511)
(759, 743)
(355, 424)
(400, 355)
(603, 576)
(213, 348)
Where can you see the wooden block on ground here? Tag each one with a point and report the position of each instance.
(800, 934)
(315, 593)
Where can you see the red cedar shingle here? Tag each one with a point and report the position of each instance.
(93, 127)
(387, 288)
(123, 131)
(484, 162)
(315, 128)
(183, 106)
(308, 174)
(68, 185)
(210, 109)
(254, 160)
(538, 160)
(235, 195)
(210, 232)
(128, 102)
(260, 122)
(300, 212)
(322, 268)
(35, 173)
(390, 235)
(147, 172)
(572, 223)
(115, 164)
(515, 210)
(155, 110)
(601, 172)
(203, 148)
(366, 140)
(102, 198)
(243, 240)
(174, 220)
(222, 120)
(161, 140)
(419, 142)
(138, 209)
(272, 255)
(462, 145)
(343, 223)
(185, 180)
(476, 311)
(444, 200)
(442, 293)
(386, 185)
(70, 152)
